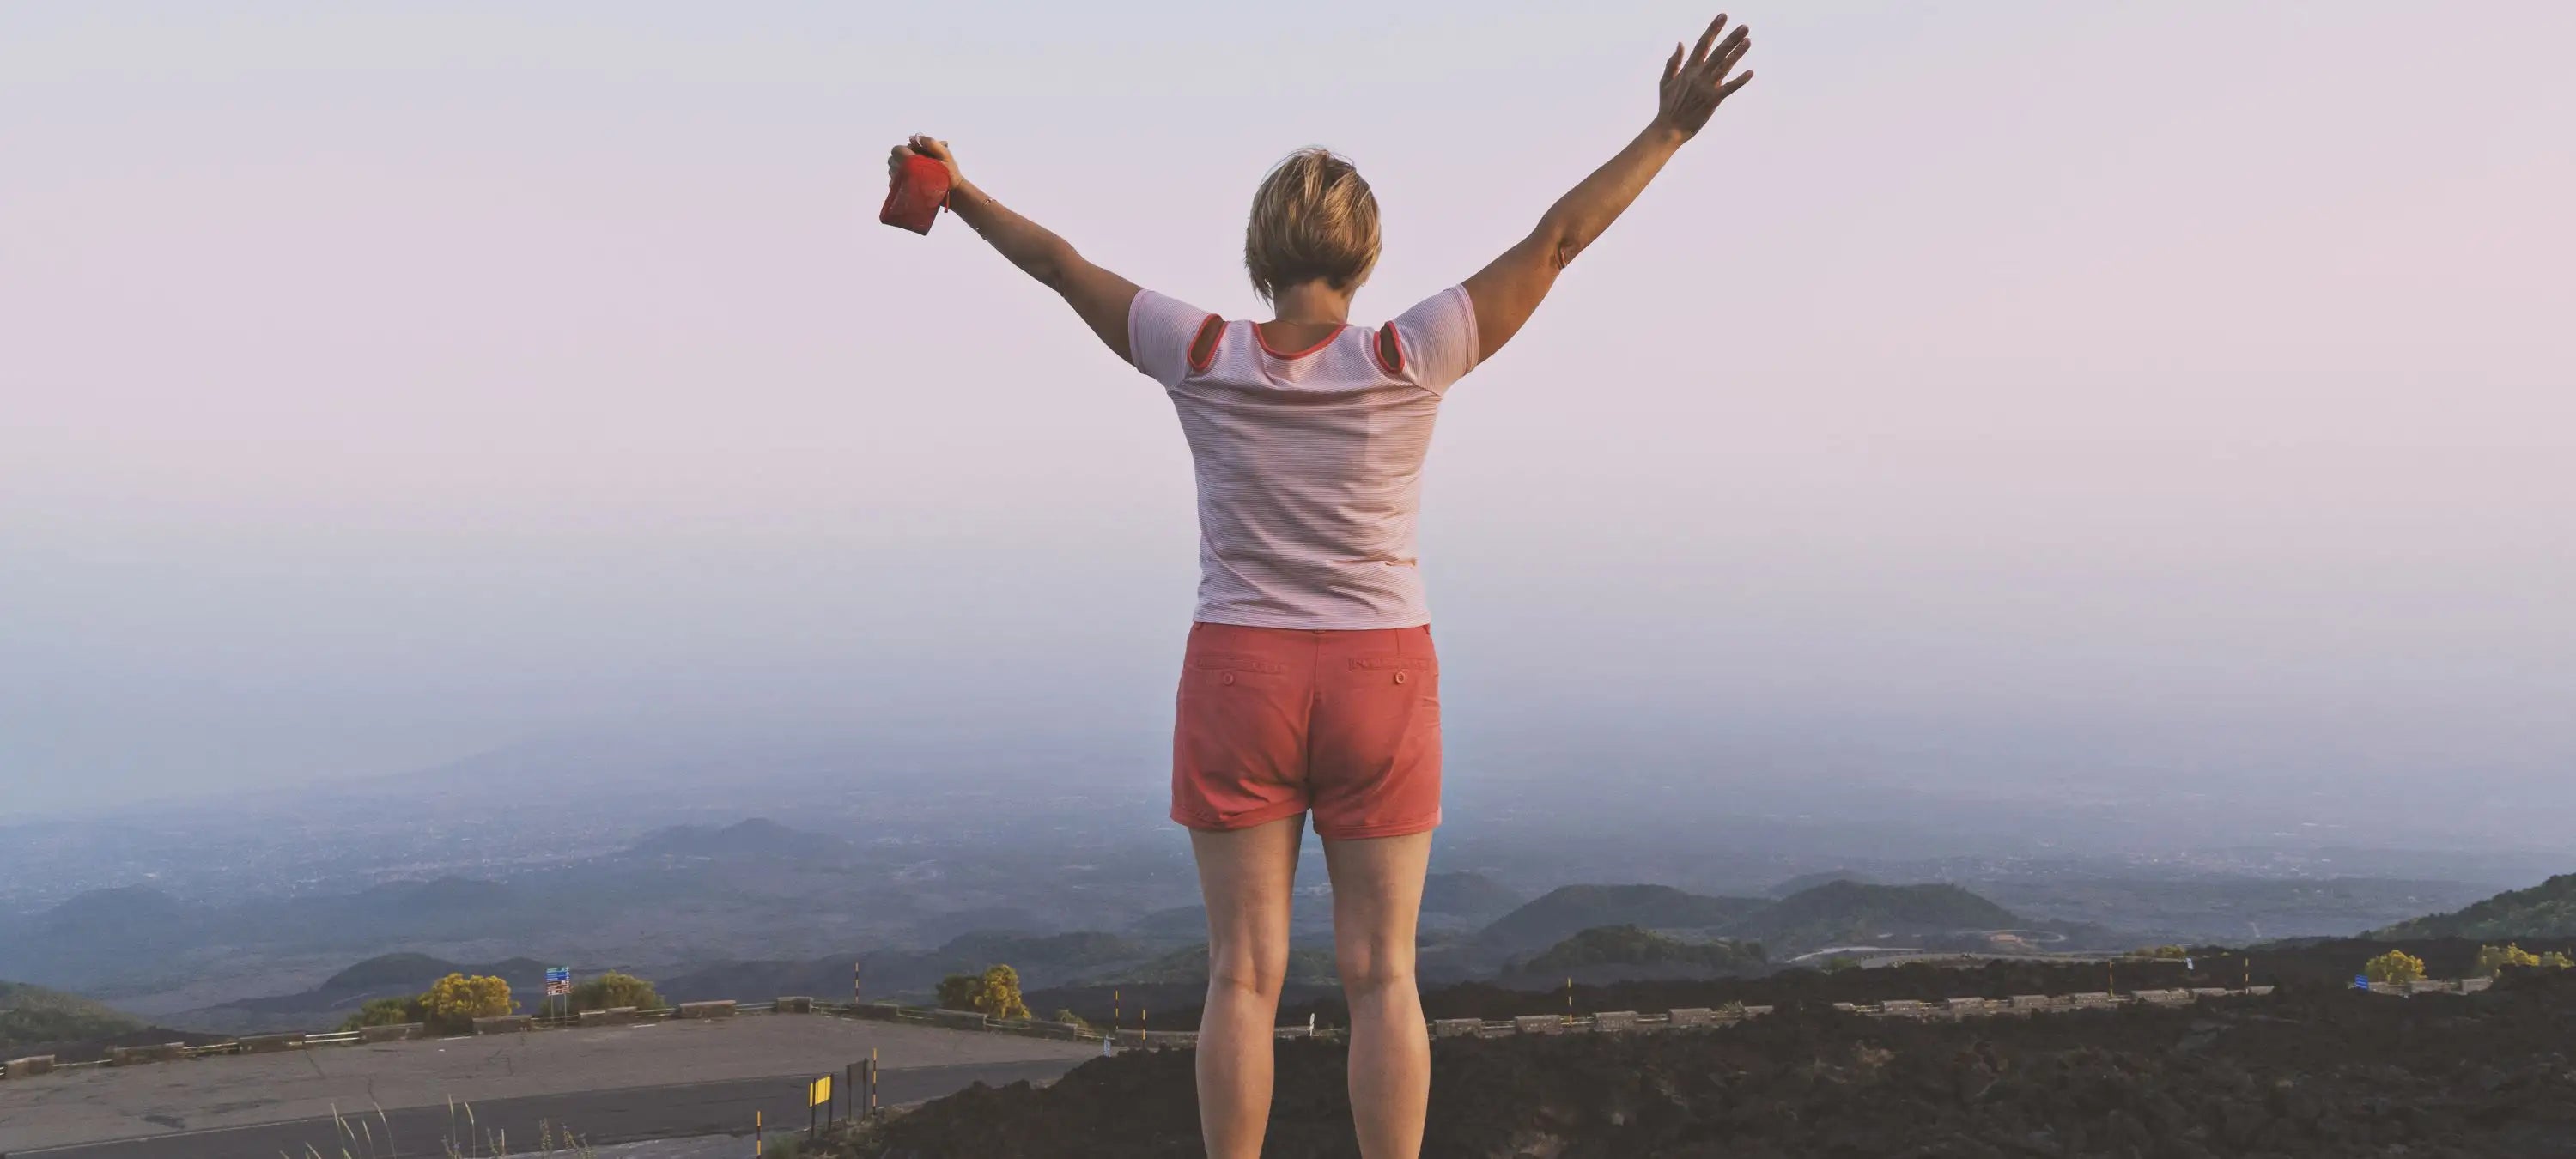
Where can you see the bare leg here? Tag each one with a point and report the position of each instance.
(1247, 877)
(1377, 899)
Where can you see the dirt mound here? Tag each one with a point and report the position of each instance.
(2312, 1070)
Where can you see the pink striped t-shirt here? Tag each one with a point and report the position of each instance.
(1309, 462)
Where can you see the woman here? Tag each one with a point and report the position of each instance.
(1309, 683)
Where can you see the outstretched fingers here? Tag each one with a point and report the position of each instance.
(1699, 52)
(1723, 62)
(1730, 51)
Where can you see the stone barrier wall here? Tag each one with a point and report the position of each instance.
(504, 1024)
(161, 1052)
(723, 1009)
(394, 1033)
(28, 1067)
(792, 1006)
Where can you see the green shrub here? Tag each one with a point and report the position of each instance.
(614, 989)
(958, 991)
(386, 1012)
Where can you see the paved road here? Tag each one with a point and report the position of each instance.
(605, 1082)
(620, 1115)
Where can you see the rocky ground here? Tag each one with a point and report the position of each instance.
(2312, 1070)
(2322, 961)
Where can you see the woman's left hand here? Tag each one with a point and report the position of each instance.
(1693, 87)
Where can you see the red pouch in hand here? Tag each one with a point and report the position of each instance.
(918, 193)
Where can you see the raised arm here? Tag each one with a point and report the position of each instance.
(1100, 297)
(1509, 289)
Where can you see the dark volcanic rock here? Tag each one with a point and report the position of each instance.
(2309, 1071)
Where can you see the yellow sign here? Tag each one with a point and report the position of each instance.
(819, 1091)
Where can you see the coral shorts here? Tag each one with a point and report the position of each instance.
(1274, 722)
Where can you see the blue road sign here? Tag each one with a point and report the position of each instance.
(2361, 981)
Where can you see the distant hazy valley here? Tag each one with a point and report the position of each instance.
(293, 908)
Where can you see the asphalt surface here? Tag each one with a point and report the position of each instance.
(518, 1124)
(605, 1083)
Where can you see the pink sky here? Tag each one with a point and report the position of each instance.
(379, 386)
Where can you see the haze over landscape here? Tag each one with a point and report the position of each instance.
(1992, 416)
(2041, 488)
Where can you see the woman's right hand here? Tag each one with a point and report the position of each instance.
(1692, 89)
(927, 146)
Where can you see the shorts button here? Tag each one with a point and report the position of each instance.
(1227, 678)
(1399, 678)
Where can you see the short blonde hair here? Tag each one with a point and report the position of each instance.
(1313, 217)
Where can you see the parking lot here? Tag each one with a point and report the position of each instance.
(617, 1082)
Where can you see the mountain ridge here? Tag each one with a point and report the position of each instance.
(2546, 910)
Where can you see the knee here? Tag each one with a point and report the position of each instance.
(1247, 972)
(1368, 969)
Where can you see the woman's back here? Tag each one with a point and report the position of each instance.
(1309, 684)
(1309, 462)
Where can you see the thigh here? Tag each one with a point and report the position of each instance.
(1377, 902)
(1375, 736)
(1248, 878)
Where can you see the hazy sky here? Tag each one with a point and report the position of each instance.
(2000, 395)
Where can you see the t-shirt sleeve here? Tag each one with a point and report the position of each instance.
(1438, 339)
(1159, 332)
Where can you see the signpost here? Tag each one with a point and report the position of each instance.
(817, 1094)
(559, 985)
